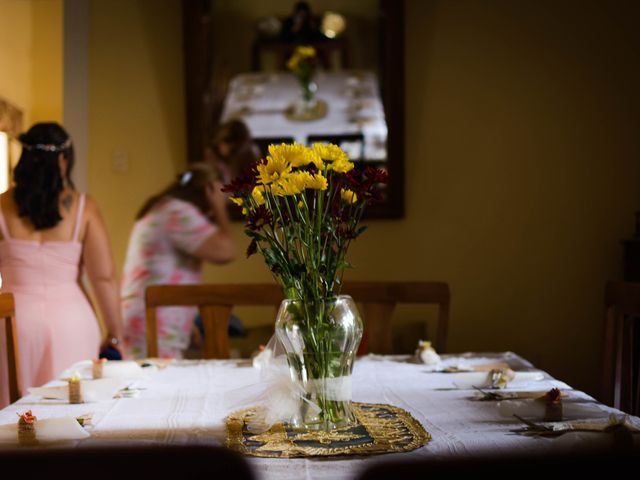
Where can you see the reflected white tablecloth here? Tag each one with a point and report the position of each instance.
(353, 100)
(185, 403)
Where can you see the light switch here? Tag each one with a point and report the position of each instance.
(119, 161)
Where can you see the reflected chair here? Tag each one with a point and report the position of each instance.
(342, 141)
(126, 461)
(621, 350)
(215, 302)
(8, 315)
(264, 142)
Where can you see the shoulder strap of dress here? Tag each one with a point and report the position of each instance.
(76, 229)
(3, 225)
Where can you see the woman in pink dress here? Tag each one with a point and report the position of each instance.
(176, 230)
(49, 233)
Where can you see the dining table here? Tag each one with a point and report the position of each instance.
(352, 100)
(186, 402)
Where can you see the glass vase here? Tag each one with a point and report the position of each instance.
(307, 102)
(321, 339)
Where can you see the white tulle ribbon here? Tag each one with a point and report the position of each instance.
(277, 397)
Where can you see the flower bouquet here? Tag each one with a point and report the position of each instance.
(303, 64)
(303, 207)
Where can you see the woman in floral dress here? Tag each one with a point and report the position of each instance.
(176, 230)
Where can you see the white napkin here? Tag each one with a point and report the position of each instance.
(468, 380)
(47, 430)
(92, 390)
(111, 369)
(532, 408)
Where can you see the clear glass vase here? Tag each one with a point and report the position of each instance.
(321, 339)
(307, 102)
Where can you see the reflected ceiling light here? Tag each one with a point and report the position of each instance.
(333, 24)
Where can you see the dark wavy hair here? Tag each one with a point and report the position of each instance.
(37, 177)
(190, 186)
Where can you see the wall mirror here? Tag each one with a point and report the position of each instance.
(236, 55)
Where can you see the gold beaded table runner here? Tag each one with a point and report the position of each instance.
(380, 429)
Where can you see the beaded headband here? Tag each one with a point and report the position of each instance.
(47, 147)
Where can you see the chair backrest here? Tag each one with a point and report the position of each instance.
(215, 301)
(263, 143)
(8, 315)
(379, 299)
(620, 371)
(130, 461)
(353, 143)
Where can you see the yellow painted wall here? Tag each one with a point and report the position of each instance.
(31, 57)
(15, 53)
(136, 109)
(47, 61)
(522, 160)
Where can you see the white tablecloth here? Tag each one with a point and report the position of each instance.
(353, 100)
(185, 403)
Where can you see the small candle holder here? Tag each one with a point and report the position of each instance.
(27, 429)
(552, 405)
(98, 367)
(75, 393)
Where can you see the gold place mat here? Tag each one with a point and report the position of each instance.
(316, 113)
(381, 429)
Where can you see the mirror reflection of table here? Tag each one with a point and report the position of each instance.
(354, 110)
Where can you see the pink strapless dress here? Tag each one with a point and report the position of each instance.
(55, 322)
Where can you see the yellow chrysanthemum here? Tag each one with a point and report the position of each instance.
(296, 154)
(348, 196)
(341, 166)
(274, 169)
(257, 196)
(316, 182)
(238, 201)
(300, 204)
(306, 51)
(330, 152)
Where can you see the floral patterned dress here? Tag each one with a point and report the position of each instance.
(160, 251)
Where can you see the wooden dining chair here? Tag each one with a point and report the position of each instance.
(127, 460)
(621, 349)
(379, 300)
(215, 302)
(8, 315)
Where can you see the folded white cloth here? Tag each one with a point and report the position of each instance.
(468, 380)
(536, 409)
(92, 390)
(47, 430)
(111, 369)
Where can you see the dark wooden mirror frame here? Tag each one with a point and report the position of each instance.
(200, 109)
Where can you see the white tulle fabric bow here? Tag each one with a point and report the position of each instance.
(277, 396)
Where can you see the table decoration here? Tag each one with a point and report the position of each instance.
(494, 379)
(614, 425)
(97, 367)
(78, 390)
(380, 429)
(303, 64)
(303, 206)
(427, 354)
(30, 431)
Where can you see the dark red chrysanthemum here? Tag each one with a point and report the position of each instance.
(367, 183)
(258, 218)
(242, 185)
